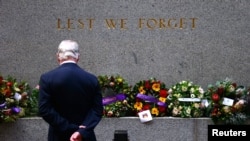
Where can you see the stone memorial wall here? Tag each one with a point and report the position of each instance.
(171, 40)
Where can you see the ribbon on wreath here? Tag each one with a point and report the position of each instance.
(150, 99)
(2, 105)
(111, 99)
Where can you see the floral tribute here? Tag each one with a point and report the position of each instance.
(116, 94)
(227, 102)
(150, 95)
(186, 100)
(13, 99)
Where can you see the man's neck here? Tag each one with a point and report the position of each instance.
(67, 61)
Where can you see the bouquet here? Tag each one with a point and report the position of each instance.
(115, 92)
(186, 100)
(227, 102)
(13, 99)
(150, 95)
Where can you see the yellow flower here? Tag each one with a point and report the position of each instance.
(156, 86)
(141, 90)
(119, 80)
(155, 111)
(138, 106)
(226, 109)
(162, 99)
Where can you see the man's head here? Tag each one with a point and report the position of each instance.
(68, 50)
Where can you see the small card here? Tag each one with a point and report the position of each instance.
(205, 102)
(228, 101)
(145, 116)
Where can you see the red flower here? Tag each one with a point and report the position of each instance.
(7, 92)
(1, 80)
(147, 85)
(220, 91)
(234, 84)
(162, 109)
(146, 107)
(163, 93)
(215, 97)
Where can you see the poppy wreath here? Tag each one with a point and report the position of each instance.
(228, 102)
(150, 95)
(115, 92)
(186, 100)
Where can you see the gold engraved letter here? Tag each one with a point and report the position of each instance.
(70, 24)
(140, 23)
(59, 24)
(193, 22)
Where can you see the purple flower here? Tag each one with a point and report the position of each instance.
(15, 110)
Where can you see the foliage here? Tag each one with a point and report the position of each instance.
(32, 107)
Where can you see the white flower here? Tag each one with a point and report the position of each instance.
(17, 96)
(231, 88)
(192, 95)
(201, 90)
(175, 111)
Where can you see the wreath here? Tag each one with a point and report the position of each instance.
(186, 100)
(13, 99)
(115, 92)
(150, 95)
(228, 102)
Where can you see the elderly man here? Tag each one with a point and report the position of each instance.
(70, 99)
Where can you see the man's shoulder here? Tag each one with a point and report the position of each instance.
(50, 72)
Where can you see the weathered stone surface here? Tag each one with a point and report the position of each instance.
(207, 41)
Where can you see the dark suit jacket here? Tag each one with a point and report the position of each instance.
(69, 97)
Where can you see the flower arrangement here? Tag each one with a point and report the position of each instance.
(13, 99)
(227, 102)
(185, 100)
(150, 95)
(115, 91)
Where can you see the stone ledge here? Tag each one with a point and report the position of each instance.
(160, 129)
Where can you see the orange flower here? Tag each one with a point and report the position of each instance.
(141, 90)
(138, 106)
(155, 111)
(162, 99)
(156, 86)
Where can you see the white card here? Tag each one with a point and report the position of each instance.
(205, 102)
(145, 116)
(228, 101)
